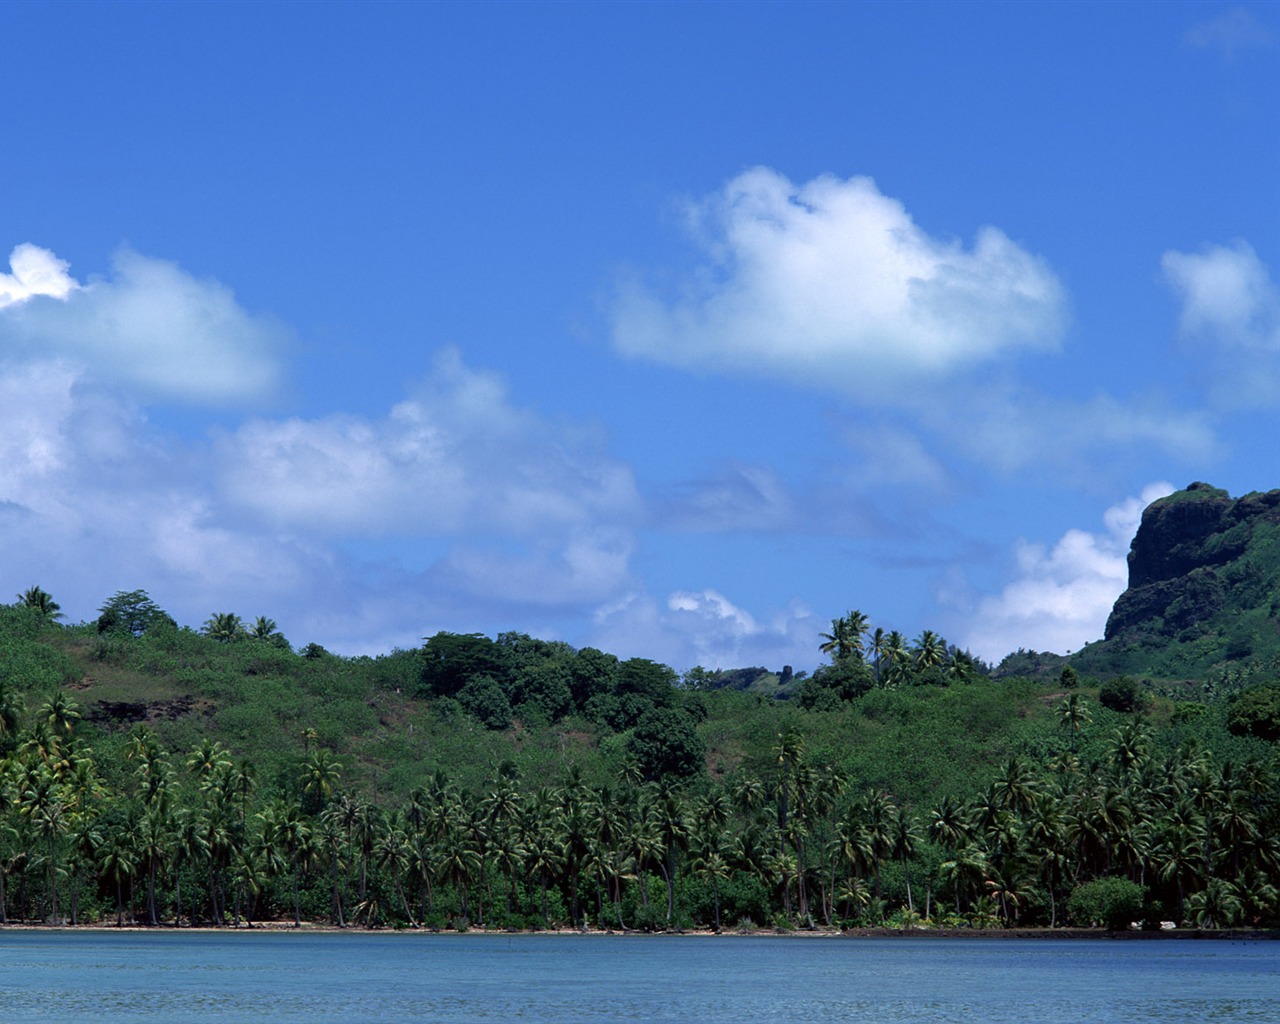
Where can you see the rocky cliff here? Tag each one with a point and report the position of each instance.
(1204, 581)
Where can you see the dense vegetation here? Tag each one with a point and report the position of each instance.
(154, 773)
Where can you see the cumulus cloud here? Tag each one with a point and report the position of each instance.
(1062, 595)
(704, 627)
(534, 528)
(455, 456)
(832, 284)
(36, 271)
(1231, 307)
(1229, 33)
(149, 328)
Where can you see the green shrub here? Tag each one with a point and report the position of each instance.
(1123, 694)
(1256, 712)
(1111, 901)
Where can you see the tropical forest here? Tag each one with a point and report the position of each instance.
(159, 774)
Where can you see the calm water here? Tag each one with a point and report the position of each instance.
(67, 978)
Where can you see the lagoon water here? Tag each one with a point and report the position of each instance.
(176, 978)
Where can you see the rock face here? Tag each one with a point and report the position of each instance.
(1194, 557)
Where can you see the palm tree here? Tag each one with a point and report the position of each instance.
(34, 597)
(845, 639)
(43, 802)
(898, 655)
(286, 836)
(329, 836)
(223, 627)
(118, 861)
(672, 832)
(263, 628)
(319, 776)
(906, 841)
(61, 712)
(1016, 786)
(459, 860)
(1217, 905)
(930, 650)
(208, 758)
(711, 864)
(1074, 715)
(878, 648)
(11, 708)
(948, 824)
(395, 853)
(968, 871)
(155, 839)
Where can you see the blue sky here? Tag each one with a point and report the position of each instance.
(676, 330)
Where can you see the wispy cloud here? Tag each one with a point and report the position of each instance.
(1061, 596)
(831, 284)
(739, 497)
(150, 328)
(1231, 309)
(1232, 31)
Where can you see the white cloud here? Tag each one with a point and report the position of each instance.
(703, 627)
(36, 271)
(456, 456)
(151, 328)
(1230, 32)
(94, 499)
(832, 284)
(1231, 306)
(1062, 595)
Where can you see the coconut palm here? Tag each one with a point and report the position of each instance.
(845, 639)
(42, 801)
(1217, 905)
(264, 628)
(1074, 715)
(319, 776)
(223, 627)
(930, 650)
(62, 713)
(118, 861)
(34, 597)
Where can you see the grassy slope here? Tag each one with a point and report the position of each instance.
(918, 743)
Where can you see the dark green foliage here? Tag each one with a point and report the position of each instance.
(1111, 902)
(832, 684)
(543, 688)
(1122, 694)
(1256, 712)
(484, 698)
(449, 660)
(132, 612)
(666, 744)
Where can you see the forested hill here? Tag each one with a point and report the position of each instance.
(158, 773)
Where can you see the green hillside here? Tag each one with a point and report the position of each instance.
(521, 783)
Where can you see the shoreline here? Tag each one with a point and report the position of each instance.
(312, 928)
